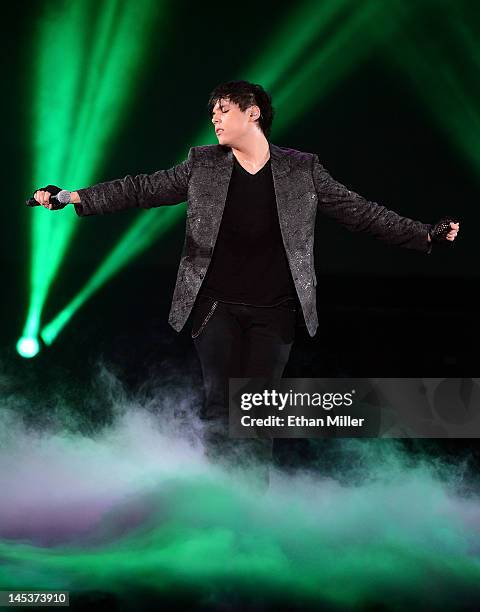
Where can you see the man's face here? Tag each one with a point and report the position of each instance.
(231, 123)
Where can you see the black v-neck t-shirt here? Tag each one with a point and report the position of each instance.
(249, 264)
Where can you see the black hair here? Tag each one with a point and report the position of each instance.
(245, 94)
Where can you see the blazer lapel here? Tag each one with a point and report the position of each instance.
(222, 172)
(279, 161)
(282, 180)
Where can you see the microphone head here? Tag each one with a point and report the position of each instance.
(63, 196)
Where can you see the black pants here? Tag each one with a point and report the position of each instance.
(238, 341)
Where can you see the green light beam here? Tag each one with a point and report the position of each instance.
(68, 148)
(52, 123)
(439, 80)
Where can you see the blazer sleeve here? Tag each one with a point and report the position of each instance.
(161, 188)
(360, 215)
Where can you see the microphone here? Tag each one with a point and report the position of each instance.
(59, 200)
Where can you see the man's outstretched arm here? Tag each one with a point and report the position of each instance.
(161, 188)
(358, 214)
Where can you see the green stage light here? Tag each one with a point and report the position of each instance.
(74, 123)
(438, 69)
(303, 28)
(28, 347)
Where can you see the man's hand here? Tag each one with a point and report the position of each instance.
(438, 231)
(43, 197)
(454, 231)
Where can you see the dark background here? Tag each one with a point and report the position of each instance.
(383, 311)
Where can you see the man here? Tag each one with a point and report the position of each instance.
(246, 273)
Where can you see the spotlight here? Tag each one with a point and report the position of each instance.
(28, 347)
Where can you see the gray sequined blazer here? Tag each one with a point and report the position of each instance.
(302, 186)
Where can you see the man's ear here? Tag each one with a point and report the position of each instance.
(254, 112)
